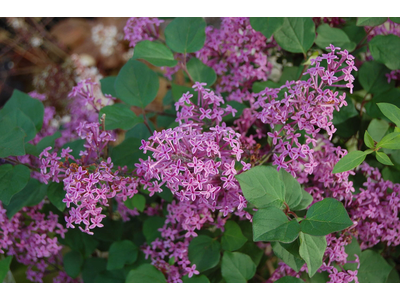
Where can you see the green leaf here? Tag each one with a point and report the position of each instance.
(390, 141)
(186, 35)
(82, 242)
(201, 72)
(395, 19)
(373, 268)
(252, 250)
(179, 90)
(260, 86)
(92, 267)
(383, 158)
(306, 200)
(233, 238)
(119, 116)
(32, 194)
(138, 201)
(76, 146)
(204, 252)
(296, 35)
(377, 129)
(4, 267)
(237, 267)
(289, 279)
(289, 254)
(349, 162)
(386, 49)
(155, 53)
(372, 76)
(368, 140)
(392, 112)
(293, 194)
(151, 226)
(47, 141)
(391, 96)
(12, 139)
(271, 224)
(31, 107)
(312, 249)
(12, 180)
(56, 195)
(328, 35)
(73, 262)
(107, 86)
(195, 279)
(345, 113)
(121, 253)
(267, 26)
(262, 187)
(127, 153)
(325, 217)
(370, 21)
(19, 119)
(145, 273)
(352, 250)
(136, 84)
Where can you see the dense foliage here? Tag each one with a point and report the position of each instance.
(274, 157)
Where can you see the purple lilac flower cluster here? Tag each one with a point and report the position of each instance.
(307, 105)
(139, 29)
(29, 236)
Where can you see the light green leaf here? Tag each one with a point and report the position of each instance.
(12, 180)
(386, 49)
(237, 267)
(368, 140)
(271, 224)
(296, 35)
(155, 53)
(349, 162)
(138, 201)
(289, 254)
(370, 21)
(373, 268)
(233, 238)
(293, 193)
(312, 249)
(325, 217)
(262, 187)
(305, 201)
(204, 252)
(201, 72)
(186, 35)
(145, 273)
(377, 129)
(121, 253)
(390, 141)
(392, 112)
(328, 35)
(383, 158)
(267, 26)
(136, 84)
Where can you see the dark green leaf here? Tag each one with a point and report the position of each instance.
(237, 267)
(119, 116)
(325, 217)
(305, 201)
(179, 90)
(395, 19)
(233, 238)
(328, 35)
(271, 224)
(111, 232)
(260, 86)
(121, 253)
(368, 140)
(127, 153)
(383, 158)
(390, 141)
(72, 263)
(386, 49)
(262, 186)
(82, 242)
(370, 21)
(349, 162)
(12, 180)
(92, 267)
(289, 254)
(137, 201)
(372, 77)
(107, 86)
(373, 268)
(76, 146)
(140, 131)
(151, 226)
(195, 279)
(186, 35)
(345, 113)
(289, 279)
(352, 250)
(252, 250)
(56, 195)
(32, 194)
(12, 138)
(267, 26)
(293, 194)
(392, 112)
(4, 267)
(145, 273)
(155, 53)
(296, 35)
(136, 84)
(204, 252)
(201, 72)
(312, 249)
(391, 96)
(18, 118)
(47, 141)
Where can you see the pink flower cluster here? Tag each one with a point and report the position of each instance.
(139, 29)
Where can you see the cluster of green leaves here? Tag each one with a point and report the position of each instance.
(278, 198)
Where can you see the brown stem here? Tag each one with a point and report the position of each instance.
(20, 163)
